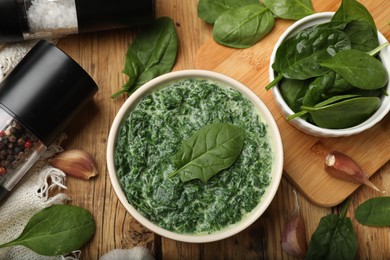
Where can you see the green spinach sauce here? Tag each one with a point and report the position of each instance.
(153, 132)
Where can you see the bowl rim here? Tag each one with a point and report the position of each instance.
(305, 126)
(266, 116)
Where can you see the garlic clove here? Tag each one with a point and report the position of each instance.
(343, 167)
(76, 163)
(294, 234)
(294, 237)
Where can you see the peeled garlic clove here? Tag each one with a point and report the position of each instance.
(343, 167)
(76, 163)
(294, 234)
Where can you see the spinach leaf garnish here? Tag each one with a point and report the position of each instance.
(290, 9)
(244, 26)
(211, 149)
(56, 230)
(152, 53)
(334, 238)
(374, 212)
(210, 10)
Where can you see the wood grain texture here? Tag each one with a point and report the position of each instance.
(102, 55)
(304, 154)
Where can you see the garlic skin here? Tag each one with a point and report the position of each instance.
(75, 163)
(294, 234)
(343, 167)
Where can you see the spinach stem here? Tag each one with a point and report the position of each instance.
(378, 49)
(120, 92)
(345, 207)
(274, 82)
(293, 116)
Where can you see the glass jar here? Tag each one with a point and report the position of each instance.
(37, 19)
(19, 150)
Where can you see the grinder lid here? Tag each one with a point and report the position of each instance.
(46, 90)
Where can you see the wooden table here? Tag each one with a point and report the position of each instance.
(102, 55)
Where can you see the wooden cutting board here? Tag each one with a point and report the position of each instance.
(304, 154)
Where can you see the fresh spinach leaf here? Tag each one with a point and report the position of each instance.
(56, 230)
(299, 56)
(334, 99)
(293, 91)
(333, 25)
(363, 37)
(368, 93)
(210, 10)
(290, 9)
(244, 26)
(340, 86)
(325, 86)
(210, 150)
(358, 68)
(152, 53)
(351, 10)
(317, 88)
(327, 102)
(345, 113)
(374, 212)
(334, 238)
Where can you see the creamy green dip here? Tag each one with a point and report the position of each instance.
(154, 131)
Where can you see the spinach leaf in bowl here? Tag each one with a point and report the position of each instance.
(351, 10)
(293, 92)
(343, 114)
(358, 68)
(363, 37)
(299, 56)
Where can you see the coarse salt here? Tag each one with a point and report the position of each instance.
(46, 15)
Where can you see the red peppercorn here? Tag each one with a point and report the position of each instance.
(2, 133)
(2, 170)
(28, 144)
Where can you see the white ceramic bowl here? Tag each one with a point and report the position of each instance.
(264, 113)
(301, 124)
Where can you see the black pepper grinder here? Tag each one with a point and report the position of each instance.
(37, 19)
(38, 99)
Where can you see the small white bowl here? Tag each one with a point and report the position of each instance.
(276, 172)
(300, 123)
